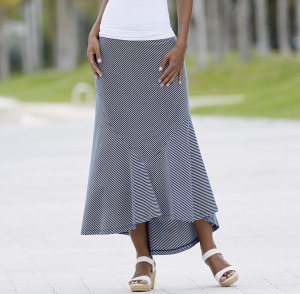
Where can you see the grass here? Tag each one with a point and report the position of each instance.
(270, 85)
(48, 85)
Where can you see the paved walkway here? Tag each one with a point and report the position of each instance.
(254, 168)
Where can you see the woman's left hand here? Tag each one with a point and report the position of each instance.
(176, 60)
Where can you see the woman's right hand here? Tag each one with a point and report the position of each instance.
(93, 50)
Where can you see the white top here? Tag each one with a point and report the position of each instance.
(136, 20)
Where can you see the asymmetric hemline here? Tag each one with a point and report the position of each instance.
(146, 164)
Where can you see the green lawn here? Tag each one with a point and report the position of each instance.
(271, 85)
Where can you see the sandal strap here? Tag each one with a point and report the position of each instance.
(144, 277)
(147, 259)
(220, 273)
(209, 253)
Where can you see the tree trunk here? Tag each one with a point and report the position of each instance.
(262, 27)
(283, 27)
(243, 15)
(298, 27)
(214, 15)
(200, 21)
(227, 29)
(33, 37)
(4, 51)
(173, 14)
(67, 47)
(234, 22)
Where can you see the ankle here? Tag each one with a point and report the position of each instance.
(143, 254)
(206, 247)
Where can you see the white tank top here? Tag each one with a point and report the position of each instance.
(136, 20)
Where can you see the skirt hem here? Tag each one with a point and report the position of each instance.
(125, 230)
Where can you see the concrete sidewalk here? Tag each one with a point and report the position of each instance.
(254, 169)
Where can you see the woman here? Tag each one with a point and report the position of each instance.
(147, 178)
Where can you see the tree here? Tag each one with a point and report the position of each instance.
(200, 21)
(67, 47)
(4, 54)
(261, 27)
(4, 50)
(243, 15)
(213, 20)
(32, 53)
(298, 27)
(227, 27)
(173, 14)
(283, 27)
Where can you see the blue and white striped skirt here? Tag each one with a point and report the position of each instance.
(145, 165)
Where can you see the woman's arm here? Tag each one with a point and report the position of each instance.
(176, 55)
(93, 43)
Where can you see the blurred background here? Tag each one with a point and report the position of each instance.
(243, 66)
(243, 56)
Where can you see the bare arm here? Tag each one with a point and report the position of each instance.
(93, 49)
(176, 55)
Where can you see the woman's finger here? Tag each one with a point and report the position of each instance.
(98, 69)
(164, 75)
(98, 54)
(94, 70)
(95, 74)
(180, 76)
(91, 58)
(164, 62)
(168, 78)
(172, 79)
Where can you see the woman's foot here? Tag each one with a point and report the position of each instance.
(216, 263)
(142, 268)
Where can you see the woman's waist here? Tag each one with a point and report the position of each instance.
(136, 33)
(134, 30)
(135, 26)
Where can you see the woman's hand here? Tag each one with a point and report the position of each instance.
(92, 51)
(176, 60)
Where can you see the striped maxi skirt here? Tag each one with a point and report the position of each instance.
(145, 164)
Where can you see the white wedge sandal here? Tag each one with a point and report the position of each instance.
(219, 274)
(150, 280)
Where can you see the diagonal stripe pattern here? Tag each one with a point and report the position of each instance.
(146, 164)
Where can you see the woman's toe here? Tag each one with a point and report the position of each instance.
(139, 282)
(226, 275)
(229, 273)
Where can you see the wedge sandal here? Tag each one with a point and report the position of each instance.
(137, 287)
(219, 274)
